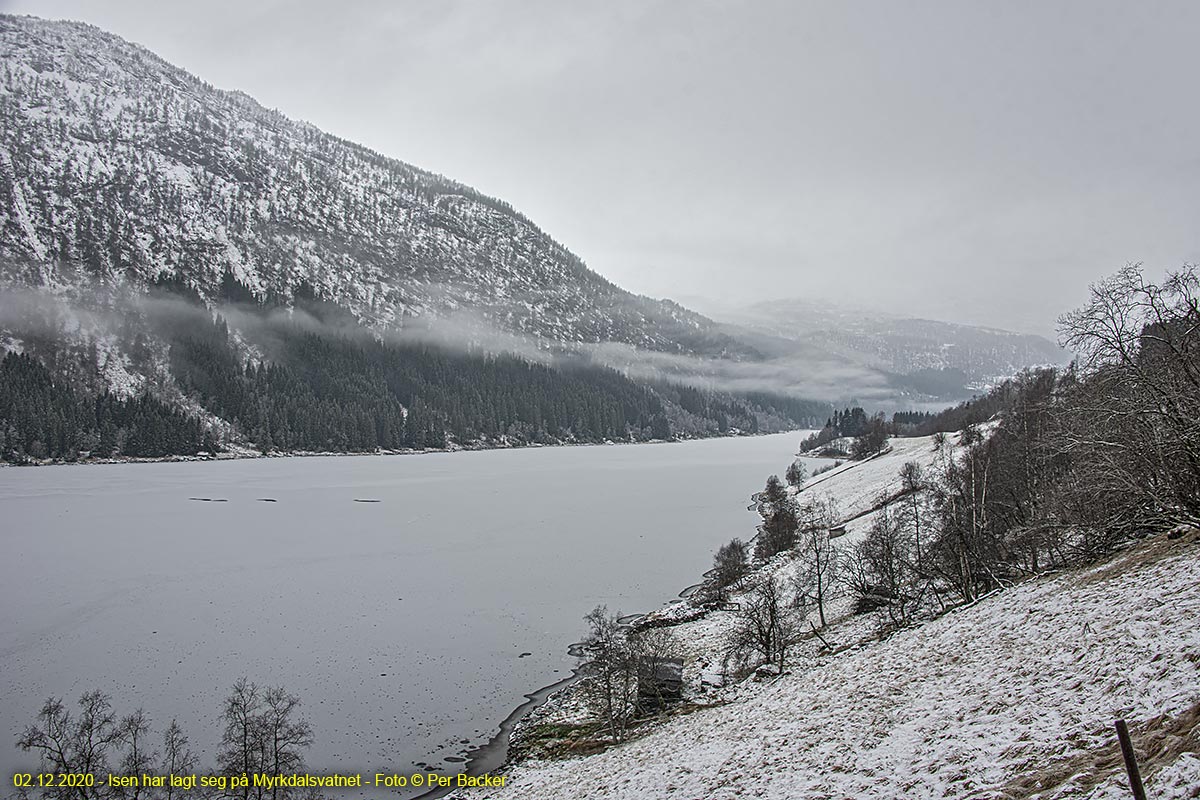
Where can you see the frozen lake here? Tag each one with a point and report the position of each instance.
(399, 623)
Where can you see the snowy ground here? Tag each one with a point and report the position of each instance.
(1011, 697)
(857, 485)
(855, 488)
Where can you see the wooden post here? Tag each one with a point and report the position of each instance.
(1131, 767)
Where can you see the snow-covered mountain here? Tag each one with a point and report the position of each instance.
(119, 168)
(119, 171)
(926, 356)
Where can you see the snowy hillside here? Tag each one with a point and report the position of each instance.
(975, 704)
(855, 485)
(118, 168)
(1011, 696)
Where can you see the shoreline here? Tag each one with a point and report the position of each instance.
(494, 754)
(557, 697)
(250, 453)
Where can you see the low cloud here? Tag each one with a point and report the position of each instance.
(812, 378)
(27, 315)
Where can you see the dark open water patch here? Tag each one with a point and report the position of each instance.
(491, 756)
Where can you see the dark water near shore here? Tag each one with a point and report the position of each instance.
(395, 595)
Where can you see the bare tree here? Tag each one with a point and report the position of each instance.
(133, 732)
(262, 735)
(964, 549)
(818, 573)
(765, 628)
(889, 561)
(771, 497)
(913, 484)
(177, 759)
(74, 744)
(778, 530)
(240, 752)
(1133, 428)
(284, 737)
(654, 648)
(796, 473)
(610, 671)
(872, 440)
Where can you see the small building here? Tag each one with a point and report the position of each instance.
(660, 681)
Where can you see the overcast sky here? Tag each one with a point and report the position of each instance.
(979, 162)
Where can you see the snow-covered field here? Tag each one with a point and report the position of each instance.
(856, 485)
(1013, 696)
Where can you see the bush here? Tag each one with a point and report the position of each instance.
(870, 441)
(730, 565)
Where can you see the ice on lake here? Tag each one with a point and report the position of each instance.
(394, 595)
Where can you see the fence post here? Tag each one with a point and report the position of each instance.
(1131, 767)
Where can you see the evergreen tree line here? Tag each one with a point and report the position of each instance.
(910, 421)
(849, 422)
(333, 387)
(694, 411)
(854, 422)
(43, 418)
(324, 390)
(799, 410)
(349, 392)
(870, 433)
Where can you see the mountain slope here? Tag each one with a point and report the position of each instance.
(116, 167)
(942, 359)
